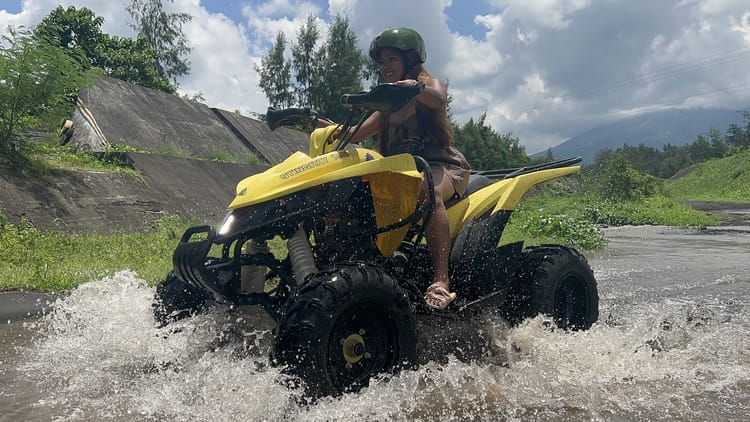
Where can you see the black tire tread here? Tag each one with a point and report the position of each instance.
(305, 327)
(534, 288)
(174, 300)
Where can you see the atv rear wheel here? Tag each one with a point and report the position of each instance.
(556, 281)
(175, 299)
(345, 326)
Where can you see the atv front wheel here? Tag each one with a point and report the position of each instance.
(556, 281)
(345, 326)
(175, 299)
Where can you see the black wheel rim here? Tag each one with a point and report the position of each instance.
(361, 345)
(570, 299)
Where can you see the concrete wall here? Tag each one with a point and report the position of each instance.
(105, 202)
(117, 112)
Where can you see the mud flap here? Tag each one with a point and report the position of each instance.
(479, 266)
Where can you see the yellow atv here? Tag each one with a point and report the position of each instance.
(348, 297)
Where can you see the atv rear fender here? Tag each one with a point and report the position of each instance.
(502, 195)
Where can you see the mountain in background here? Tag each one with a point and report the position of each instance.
(676, 127)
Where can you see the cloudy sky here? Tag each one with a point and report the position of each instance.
(544, 70)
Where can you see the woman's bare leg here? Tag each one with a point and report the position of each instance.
(438, 230)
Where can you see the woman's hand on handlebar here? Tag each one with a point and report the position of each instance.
(406, 82)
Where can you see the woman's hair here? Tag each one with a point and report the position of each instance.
(435, 123)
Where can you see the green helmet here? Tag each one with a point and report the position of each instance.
(403, 39)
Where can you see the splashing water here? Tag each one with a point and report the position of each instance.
(98, 356)
(671, 344)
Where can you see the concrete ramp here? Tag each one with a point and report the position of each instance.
(105, 202)
(117, 112)
(168, 127)
(273, 146)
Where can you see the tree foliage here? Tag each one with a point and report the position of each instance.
(304, 62)
(739, 136)
(162, 31)
(341, 68)
(78, 33)
(274, 72)
(486, 149)
(37, 80)
(668, 161)
(132, 61)
(612, 178)
(314, 78)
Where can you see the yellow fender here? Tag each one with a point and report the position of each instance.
(501, 195)
(394, 183)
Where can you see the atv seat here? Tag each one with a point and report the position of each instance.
(476, 182)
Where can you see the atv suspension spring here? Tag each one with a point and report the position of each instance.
(301, 256)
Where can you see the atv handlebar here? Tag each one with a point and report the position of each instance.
(385, 98)
(288, 117)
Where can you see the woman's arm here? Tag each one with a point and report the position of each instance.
(434, 95)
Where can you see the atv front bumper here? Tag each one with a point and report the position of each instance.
(192, 265)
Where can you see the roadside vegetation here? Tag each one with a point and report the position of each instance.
(716, 180)
(568, 212)
(55, 261)
(611, 192)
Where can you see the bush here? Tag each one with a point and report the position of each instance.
(612, 178)
(37, 85)
(566, 229)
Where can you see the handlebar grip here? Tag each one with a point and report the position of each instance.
(385, 98)
(276, 118)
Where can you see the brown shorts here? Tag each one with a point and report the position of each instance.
(458, 176)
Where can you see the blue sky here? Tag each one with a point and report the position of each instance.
(544, 70)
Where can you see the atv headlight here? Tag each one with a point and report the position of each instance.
(226, 226)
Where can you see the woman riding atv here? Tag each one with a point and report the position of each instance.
(421, 126)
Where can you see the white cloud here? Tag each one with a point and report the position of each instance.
(222, 68)
(742, 25)
(553, 14)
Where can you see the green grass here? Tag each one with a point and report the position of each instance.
(552, 215)
(535, 225)
(53, 261)
(44, 155)
(720, 180)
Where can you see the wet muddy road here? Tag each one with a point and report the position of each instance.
(672, 343)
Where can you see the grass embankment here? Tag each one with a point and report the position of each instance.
(46, 154)
(719, 180)
(572, 218)
(54, 261)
